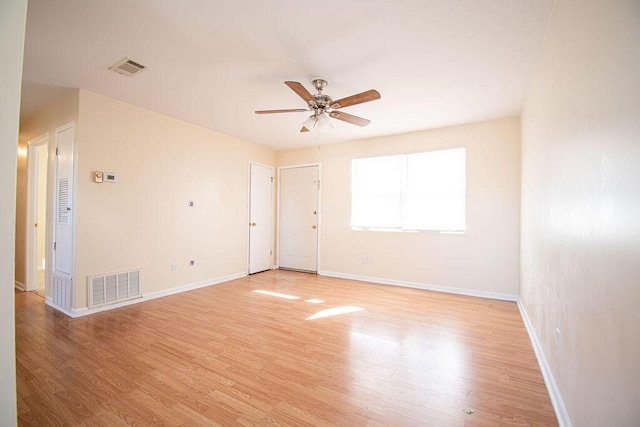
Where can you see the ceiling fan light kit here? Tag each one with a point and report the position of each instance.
(324, 107)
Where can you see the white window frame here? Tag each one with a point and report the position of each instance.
(401, 222)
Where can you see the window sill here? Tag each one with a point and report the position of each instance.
(396, 230)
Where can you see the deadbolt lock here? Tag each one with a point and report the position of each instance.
(314, 226)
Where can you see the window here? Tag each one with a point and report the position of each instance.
(423, 191)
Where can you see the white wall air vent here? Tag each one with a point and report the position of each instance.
(111, 288)
(127, 67)
(62, 292)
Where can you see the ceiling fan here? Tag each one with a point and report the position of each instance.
(323, 107)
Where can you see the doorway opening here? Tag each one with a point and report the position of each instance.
(37, 170)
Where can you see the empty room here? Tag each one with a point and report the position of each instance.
(282, 213)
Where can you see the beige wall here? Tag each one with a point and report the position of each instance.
(581, 208)
(143, 220)
(485, 259)
(58, 113)
(13, 16)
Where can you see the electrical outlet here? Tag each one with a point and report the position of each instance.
(365, 259)
(174, 267)
(557, 340)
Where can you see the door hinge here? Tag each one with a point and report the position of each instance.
(271, 179)
(57, 151)
(55, 245)
(270, 252)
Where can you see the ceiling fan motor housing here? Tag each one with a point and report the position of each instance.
(322, 101)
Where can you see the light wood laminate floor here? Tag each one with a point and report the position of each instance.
(362, 354)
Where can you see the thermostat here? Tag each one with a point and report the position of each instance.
(110, 177)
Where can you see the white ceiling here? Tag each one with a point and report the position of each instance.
(212, 63)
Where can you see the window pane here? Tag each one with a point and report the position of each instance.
(378, 175)
(436, 172)
(377, 192)
(444, 212)
(435, 191)
(376, 211)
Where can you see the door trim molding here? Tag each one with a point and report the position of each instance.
(31, 245)
(302, 165)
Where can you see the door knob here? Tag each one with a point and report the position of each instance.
(253, 224)
(314, 226)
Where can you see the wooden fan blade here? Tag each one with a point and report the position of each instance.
(293, 110)
(370, 95)
(349, 118)
(301, 91)
(304, 129)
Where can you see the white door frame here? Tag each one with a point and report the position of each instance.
(32, 211)
(249, 213)
(303, 165)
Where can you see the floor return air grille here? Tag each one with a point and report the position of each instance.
(62, 292)
(112, 288)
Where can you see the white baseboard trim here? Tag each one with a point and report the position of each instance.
(554, 393)
(85, 311)
(20, 286)
(50, 303)
(424, 286)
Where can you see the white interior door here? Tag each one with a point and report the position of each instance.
(260, 218)
(63, 222)
(298, 227)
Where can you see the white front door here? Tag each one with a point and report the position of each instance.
(260, 217)
(298, 227)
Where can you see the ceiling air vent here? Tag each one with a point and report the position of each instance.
(127, 67)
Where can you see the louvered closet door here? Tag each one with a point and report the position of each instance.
(63, 248)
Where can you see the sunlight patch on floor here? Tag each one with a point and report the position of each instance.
(335, 311)
(275, 294)
(314, 301)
